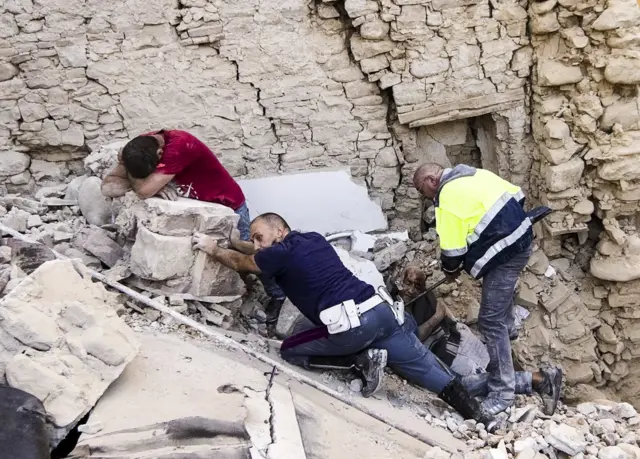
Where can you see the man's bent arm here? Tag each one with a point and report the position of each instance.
(426, 328)
(235, 260)
(150, 186)
(116, 183)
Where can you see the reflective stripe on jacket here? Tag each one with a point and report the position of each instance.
(480, 220)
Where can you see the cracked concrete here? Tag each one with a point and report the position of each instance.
(175, 378)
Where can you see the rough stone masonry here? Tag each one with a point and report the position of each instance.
(544, 93)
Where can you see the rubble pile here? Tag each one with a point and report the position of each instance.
(62, 341)
(602, 430)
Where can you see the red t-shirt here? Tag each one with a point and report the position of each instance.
(198, 173)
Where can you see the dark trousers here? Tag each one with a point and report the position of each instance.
(379, 329)
(496, 322)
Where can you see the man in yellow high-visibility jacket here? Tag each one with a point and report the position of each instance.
(484, 230)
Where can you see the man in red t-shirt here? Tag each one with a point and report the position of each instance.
(150, 162)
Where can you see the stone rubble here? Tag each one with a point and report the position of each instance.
(63, 345)
(570, 432)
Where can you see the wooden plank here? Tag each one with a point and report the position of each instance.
(472, 103)
(463, 114)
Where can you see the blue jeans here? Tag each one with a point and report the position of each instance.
(270, 287)
(478, 384)
(379, 329)
(495, 320)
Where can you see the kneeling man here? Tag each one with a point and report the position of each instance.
(354, 327)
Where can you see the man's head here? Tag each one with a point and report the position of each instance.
(413, 281)
(268, 229)
(426, 179)
(142, 155)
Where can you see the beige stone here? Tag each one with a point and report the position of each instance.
(622, 70)
(575, 37)
(564, 175)
(585, 207)
(13, 162)
(362, 48)
(623, 169)
(50, 359)
(424, 68)
(624, 112)
(619, 14)
(556, 73)
(374, 30)
(158, 257)
(620, 268)
(357, 8)
(562, 154)
(545, 23)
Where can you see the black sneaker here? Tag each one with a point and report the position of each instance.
(273, 309)
(550, 389)
(370, 367)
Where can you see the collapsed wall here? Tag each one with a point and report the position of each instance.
(269, 86)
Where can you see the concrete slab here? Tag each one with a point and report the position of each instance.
(171, 380)
(334, 430)
(326, 201)
(287, 440)
(191, 381)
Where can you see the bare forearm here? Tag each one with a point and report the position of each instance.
(138, 185)
(425, 329)
(243, 246)
(235, 260)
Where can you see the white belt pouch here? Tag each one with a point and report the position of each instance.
(341, 317)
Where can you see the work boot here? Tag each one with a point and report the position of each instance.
(273, 309)
(461, 400)
(370, 366)
(550, 388)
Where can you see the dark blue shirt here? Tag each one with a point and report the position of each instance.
(310, 273)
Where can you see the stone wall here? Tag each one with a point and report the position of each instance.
(270, 86)
(586, 124)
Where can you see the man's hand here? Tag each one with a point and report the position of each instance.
(205, 243)
(169, 193)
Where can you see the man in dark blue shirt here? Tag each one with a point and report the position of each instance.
(311, 275)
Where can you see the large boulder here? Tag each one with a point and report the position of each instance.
(95, 207)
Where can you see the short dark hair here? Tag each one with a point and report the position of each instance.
(273, 220)
(140, 156)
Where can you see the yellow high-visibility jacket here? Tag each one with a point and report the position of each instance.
(480, 220)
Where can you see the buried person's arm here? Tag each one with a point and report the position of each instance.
(426, 328)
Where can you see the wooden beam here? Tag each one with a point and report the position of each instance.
(490, 102)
